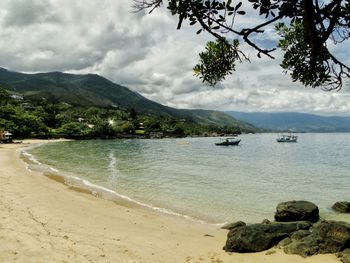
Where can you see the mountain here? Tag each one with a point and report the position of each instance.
(293, 121)
(94, 90)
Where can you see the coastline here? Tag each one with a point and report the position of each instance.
(44, 221)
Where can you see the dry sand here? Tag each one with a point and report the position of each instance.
(45, 221)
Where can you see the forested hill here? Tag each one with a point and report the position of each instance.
(293, 121)
(94, 90)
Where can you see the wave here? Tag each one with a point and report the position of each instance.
(30, 157)
(102, 190)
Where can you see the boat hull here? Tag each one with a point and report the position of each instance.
(228, 143)
(287, 138)
(283, 140)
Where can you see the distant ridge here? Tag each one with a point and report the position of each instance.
(294, 121)
(94, 90)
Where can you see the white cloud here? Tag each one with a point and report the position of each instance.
(147, 54)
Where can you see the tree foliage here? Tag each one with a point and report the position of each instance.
(218, 60)
(29, 118)
(307, 29)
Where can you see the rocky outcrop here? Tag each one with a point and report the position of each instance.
(342, 207)
(344, 256)
(233, 225)
(305, 236)
(259, 237)
(324, 237)
(296, 211)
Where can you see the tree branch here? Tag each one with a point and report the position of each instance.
(139, 5)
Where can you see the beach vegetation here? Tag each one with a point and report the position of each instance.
(94, 98)
(32, 118)
(4, 96)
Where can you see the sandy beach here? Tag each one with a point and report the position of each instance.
(42, 220)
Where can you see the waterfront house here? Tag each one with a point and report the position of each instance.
(5, 136)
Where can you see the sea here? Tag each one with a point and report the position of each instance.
(195, 179)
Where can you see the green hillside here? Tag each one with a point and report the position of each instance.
(94, 90)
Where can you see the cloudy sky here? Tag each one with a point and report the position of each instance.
(147, 54)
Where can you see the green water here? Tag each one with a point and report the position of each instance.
(193, 177)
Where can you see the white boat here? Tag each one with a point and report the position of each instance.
(287, 138)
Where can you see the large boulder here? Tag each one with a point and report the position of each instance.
(324, 237)
(344, 256)
(233, 225)
(259, 237)
(342, 207)
(296, 211)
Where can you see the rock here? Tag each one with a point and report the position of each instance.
(259, 237)
(284, 242)
(233, 225)
(342, 207)
(296, 211)
(271, 252)
(345, 256)
(300, 234)
(266, 221)
(306, 247)
(305, 236)
(324, 237)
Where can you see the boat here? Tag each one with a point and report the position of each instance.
(228, 141)
(287, 138)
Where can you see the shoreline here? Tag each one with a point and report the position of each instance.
(79, 184)
(46, 221)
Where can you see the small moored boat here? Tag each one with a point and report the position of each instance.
(228, 141)
(287, 138)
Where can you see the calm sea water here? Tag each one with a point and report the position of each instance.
(193, 177)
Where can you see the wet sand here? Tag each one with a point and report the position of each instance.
(42, 220)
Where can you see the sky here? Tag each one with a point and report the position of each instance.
(146, 53)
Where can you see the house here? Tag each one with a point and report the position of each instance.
(17, 97)
(5, 136)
